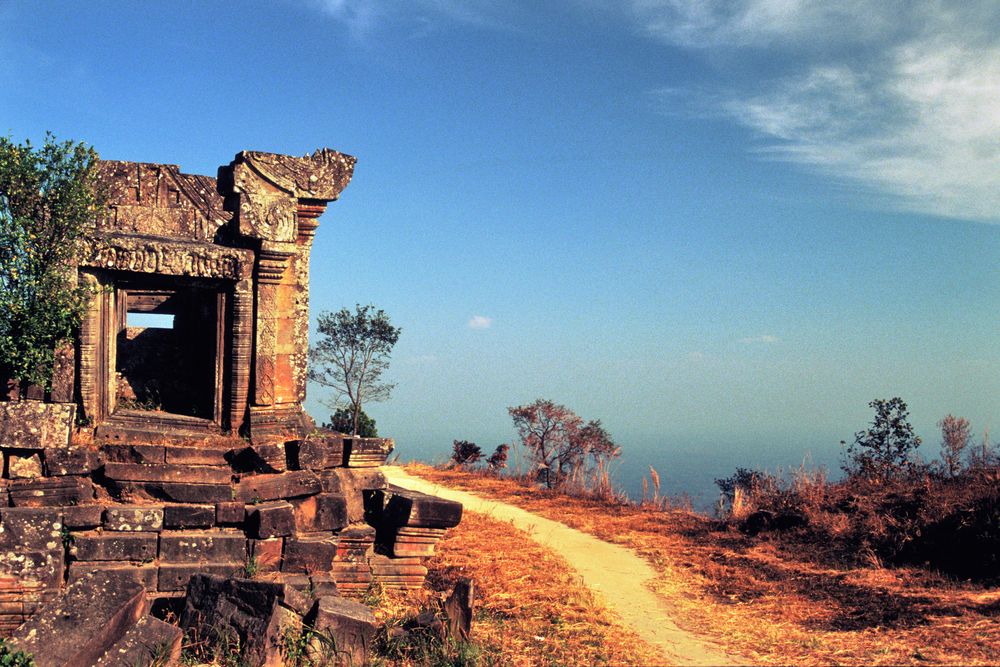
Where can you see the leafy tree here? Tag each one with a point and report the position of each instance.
(342, 421)
(351, 356)
(498, 459)
(464, 452)
(955, 438)
(885, 450)
(47, 196)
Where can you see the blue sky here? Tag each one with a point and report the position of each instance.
(720, 227)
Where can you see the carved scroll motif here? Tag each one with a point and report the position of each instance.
(321, 175)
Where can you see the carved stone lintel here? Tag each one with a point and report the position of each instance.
(172, 258)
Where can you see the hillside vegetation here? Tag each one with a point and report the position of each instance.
(790, 593)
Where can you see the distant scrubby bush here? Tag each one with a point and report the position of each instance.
(889, 509)
(465, 453)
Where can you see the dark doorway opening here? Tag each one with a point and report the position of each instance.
(167, 350)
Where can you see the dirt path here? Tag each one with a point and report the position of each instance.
(614, 573)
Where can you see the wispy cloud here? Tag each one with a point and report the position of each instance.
(766, 339)
(363, 17)
(901, 97)
(480, 322)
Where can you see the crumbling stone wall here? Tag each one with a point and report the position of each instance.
(318, 507)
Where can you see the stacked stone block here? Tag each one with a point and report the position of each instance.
(317, 508)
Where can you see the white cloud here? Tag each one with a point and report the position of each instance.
(766, 339)
(362, 17)
(899, 97)
(480, 322)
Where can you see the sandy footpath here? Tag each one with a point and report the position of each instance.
(614, 573)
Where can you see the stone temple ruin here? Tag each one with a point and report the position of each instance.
(173, 441)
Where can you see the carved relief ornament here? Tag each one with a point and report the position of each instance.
(166, 258)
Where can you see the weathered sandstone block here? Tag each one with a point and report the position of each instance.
(77, 629)
(148, 642)
(271, 519)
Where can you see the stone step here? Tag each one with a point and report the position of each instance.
(50, 491)
(112, 546)
(203, 546)
(133, 518)
(174, 492)
(294, 484)
(175, 577)
(145, 573)
(188, 474)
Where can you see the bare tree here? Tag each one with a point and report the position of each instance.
(557, 439)
(955, 438)
(351, 355)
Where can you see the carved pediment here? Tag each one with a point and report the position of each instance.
(158, 200)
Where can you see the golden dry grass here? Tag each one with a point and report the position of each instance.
(761, 599)
(531, 609)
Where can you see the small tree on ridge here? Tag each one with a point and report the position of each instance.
(350, 356)
(884, 450)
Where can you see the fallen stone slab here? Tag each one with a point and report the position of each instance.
(345, 630)
(248, 613)
(412, 508)
(75, 630)
(149, 642)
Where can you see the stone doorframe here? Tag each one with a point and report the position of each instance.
(112, 259)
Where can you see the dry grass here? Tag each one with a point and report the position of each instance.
(770, 601)
(531, 608)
